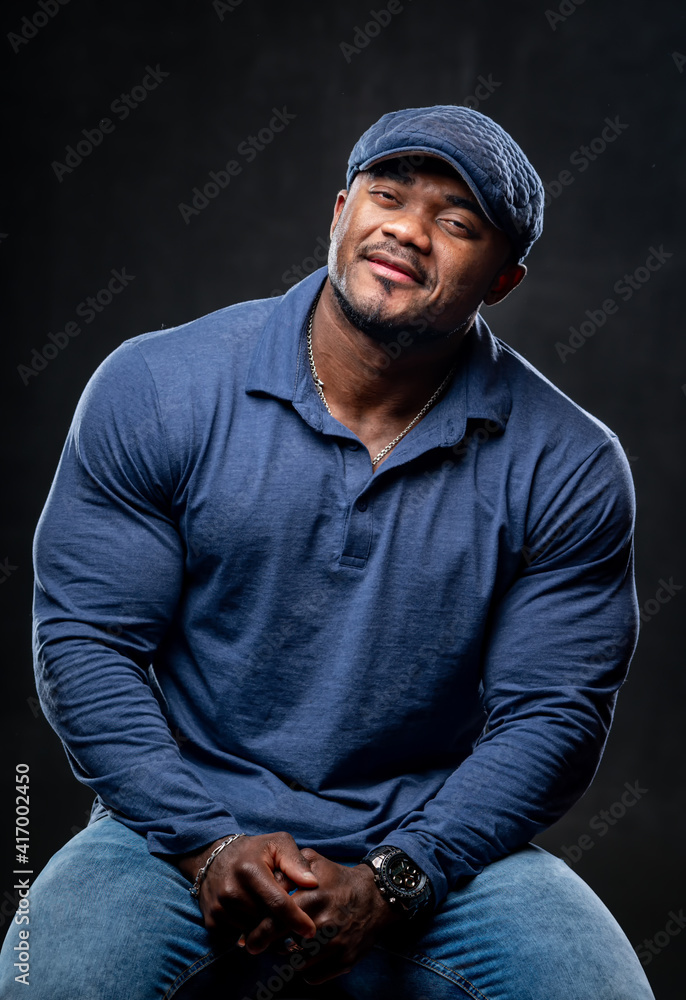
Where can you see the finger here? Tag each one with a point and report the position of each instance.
(294, 863)
(312, 902)
(284, 881)
(263, 935)
(260, 882)
(310, 854)
(270, 932)
(223, 908)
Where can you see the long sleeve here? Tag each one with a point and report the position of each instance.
(108, 565)
(559, 644)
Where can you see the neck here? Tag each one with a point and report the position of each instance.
(362, 383)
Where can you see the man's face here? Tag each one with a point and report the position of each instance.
(412, 248)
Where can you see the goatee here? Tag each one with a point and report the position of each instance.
(386, 330)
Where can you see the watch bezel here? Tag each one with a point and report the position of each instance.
(386, 867)
(410, 901)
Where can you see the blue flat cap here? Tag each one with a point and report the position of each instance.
(500, 176)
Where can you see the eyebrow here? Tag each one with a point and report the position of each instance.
(453, 199)
(458, 202)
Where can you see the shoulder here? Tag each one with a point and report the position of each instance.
(554, 446)
(225, 335)
(207, 353)
(544, 418)
(538, 398)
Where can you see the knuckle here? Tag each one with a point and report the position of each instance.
(247, 870)
(229, 894)
(279, 841)
(314, 898)
(278, 903)
(213, 916)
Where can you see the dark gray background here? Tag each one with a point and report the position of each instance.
(119, 209)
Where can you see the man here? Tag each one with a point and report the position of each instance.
(334, 594)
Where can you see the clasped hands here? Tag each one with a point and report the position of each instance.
(337, 911)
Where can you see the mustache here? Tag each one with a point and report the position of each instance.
(400, 253)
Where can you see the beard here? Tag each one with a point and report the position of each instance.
(370, 321)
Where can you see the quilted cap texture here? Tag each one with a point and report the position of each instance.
(502, 179)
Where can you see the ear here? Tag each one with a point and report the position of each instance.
(503, 283)
(341, 199)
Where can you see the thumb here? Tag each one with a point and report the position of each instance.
(296, 866)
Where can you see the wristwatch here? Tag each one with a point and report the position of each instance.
(403, 883)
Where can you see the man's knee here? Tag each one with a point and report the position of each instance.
(530, 926)
(105, 917)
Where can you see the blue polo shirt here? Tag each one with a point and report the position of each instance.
(239, 626)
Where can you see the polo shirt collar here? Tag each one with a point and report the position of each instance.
(279, 367)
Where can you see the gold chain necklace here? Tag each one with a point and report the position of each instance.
(319, 385)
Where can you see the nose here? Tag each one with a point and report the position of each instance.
(409, 228)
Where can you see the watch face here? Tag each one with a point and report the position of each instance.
(404, 875)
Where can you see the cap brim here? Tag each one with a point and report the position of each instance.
(458, 167)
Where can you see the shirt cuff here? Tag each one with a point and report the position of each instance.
(422, 849)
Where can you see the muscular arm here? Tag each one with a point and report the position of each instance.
(558, 647)
(109, 568)
(108, 576)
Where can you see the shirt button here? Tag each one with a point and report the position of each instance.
(353, 446)
(361, 505)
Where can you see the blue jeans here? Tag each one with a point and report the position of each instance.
(108, 921)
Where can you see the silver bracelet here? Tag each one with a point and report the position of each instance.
(199, 878)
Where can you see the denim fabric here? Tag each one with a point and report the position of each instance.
(110, 921)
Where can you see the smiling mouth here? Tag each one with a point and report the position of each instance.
(395, 270)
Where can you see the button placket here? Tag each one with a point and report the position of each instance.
(358, 526)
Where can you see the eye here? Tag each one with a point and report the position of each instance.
(458, 226)
(384, 195)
